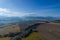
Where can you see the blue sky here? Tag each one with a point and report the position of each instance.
(29, 8)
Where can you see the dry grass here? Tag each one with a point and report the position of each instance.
(7, 29)
(10, 28)
(55, 23)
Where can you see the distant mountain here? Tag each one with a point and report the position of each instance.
(9, 19)
(20, 19)
(41, 18)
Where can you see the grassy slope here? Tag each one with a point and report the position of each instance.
(32, 36)
(6, 38)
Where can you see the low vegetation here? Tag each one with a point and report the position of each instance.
(30, 31)
(33, 36)
(5, 38)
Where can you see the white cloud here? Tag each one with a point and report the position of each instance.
(9, 13)
(4, 10)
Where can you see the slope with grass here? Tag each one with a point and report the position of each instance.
(5, 38)
(33, 36)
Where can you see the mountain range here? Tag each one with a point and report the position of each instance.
(17, 19)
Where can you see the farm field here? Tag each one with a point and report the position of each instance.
(49, 31)
(9, 28)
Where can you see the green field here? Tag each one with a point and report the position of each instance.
(6, 38)
(33, 36)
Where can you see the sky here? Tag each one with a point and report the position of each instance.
(20, 8)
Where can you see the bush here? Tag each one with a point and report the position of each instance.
(6, 35)
(34, 30)
(0, 36)
(11, 35)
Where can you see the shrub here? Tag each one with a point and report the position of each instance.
(11, 35)
(0, 36)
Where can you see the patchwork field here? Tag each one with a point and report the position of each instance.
(9, 28)
(47, 31)
(50, 31)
